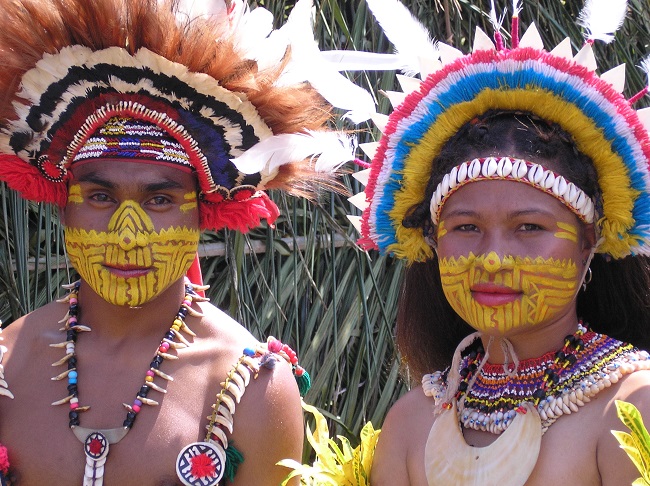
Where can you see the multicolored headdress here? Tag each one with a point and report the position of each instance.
(216, 91)
(557, 86)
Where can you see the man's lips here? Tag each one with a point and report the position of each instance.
(127, 271)
(494, 295)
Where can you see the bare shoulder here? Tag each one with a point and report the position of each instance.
(399, 457)
(268, 422)
(31, 331)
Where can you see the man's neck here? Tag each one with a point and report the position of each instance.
(109, 321)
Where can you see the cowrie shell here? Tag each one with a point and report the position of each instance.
(474, 169)
(549, 180)
(536, 174)
(490, 167)
(452, 177)
(444, 185)
(462, 172)
(504, 168)
(559, 186)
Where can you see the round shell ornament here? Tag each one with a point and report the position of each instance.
(201, 464)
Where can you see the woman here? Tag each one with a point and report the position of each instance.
(510, 260)
(511, 179)
(515, 183)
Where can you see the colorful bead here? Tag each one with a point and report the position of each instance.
(72, 328)
(557, 383)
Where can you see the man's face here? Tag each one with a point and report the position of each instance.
(131, 228)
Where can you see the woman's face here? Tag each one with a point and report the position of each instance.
(511, 257)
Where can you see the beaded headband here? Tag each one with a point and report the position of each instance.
(556, 86)
(126, 138)
(230, 102)
(512, 169)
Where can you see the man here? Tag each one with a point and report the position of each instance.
(128, 116)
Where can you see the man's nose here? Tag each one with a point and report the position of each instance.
(130, 226)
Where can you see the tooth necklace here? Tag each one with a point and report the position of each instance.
(96, 441)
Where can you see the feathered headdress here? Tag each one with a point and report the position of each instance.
(218, 81)
(557, 86)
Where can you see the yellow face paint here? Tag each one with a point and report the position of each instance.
(190, 197)
(442, 231)
(567, 232)
(131, 264)
(74, 194)
(509, 292)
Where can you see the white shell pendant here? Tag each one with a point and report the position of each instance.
(450, 461)
(201, 464)
(96, 449)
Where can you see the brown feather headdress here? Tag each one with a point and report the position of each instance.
(72, 66)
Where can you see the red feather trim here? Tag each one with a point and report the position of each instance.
(4, 460)
(30, 182)
(238, 215)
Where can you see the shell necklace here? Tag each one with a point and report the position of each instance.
(520, 406)
(96, 441)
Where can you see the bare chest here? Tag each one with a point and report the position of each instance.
(43, 449)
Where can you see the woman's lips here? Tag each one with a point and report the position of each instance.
(127, 271)
(494, 296)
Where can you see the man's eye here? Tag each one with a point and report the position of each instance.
(100, 197)
(157, 200)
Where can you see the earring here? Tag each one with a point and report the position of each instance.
(587, 279)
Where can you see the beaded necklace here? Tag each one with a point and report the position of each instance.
(558, 383)
(96, 441)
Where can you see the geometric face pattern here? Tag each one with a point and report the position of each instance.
(153, 260)
(543, 288)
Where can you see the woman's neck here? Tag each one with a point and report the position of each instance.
(531, 342)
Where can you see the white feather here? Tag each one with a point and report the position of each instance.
(308, 64)
(645, 65)
(494, 20)
(411, 39)
(362, 61)
(516, 8)
(254, 40)
(331, 148)
(602, 18)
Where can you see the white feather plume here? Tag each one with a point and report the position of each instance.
(308, 64)
(411, 39)
(362, 61)
(331, 148)
(516, 8)
(602, 18)
(494, 20)
(645, 65)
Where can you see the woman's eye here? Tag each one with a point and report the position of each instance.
(530, 227)
(466, 227)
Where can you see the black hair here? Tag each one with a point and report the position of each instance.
(617, 300)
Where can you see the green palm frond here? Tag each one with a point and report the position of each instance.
(637, 443)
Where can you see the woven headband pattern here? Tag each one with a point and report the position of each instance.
(126, 138)
(557, 86)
